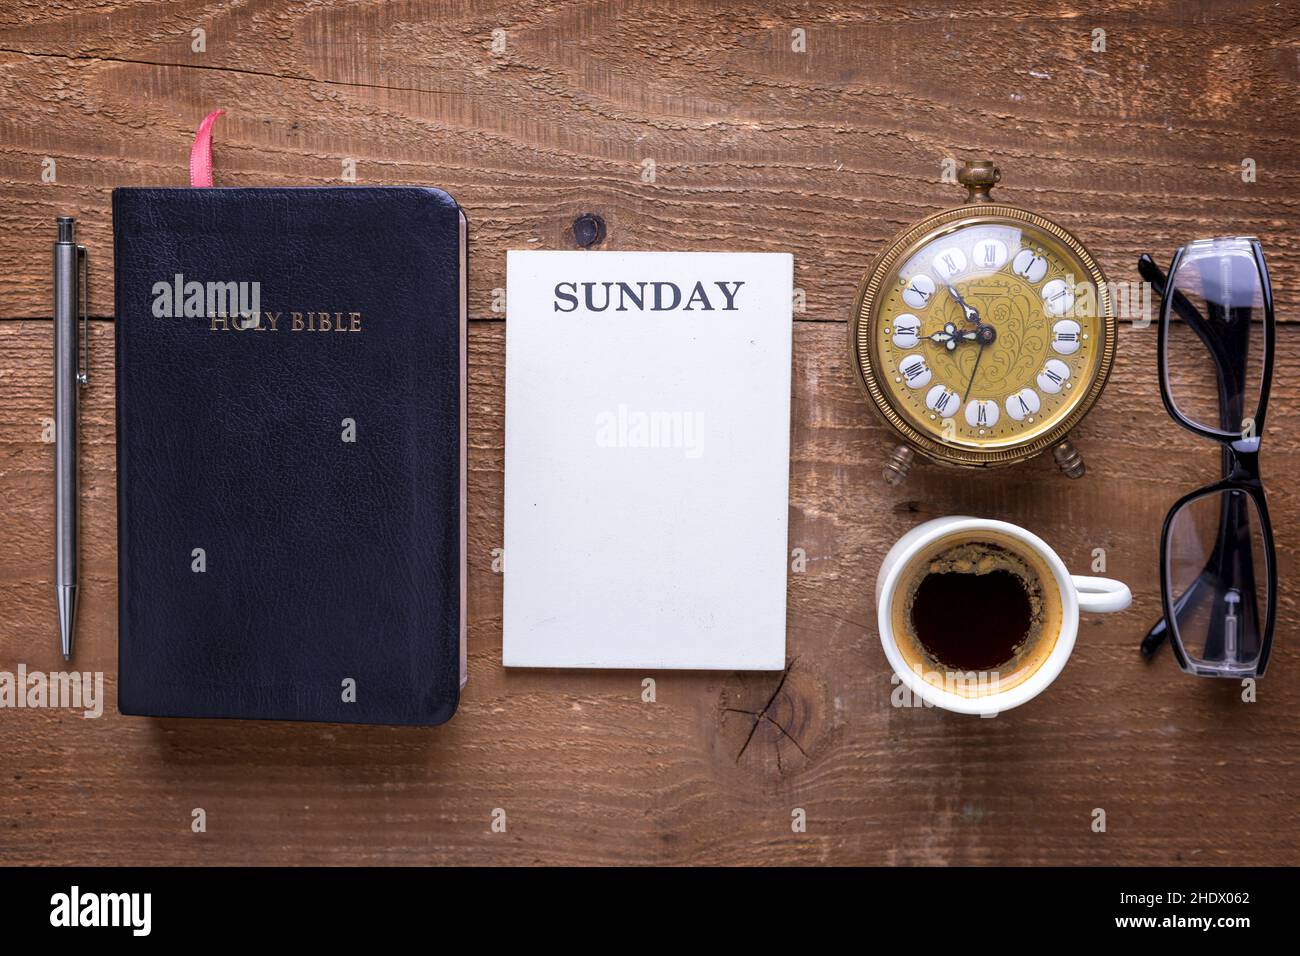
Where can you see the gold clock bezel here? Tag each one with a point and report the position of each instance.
(862, 344)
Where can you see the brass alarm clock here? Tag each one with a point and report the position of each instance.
(983, 334)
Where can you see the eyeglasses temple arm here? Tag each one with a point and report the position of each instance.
(1152, 273)
(1199, 324)
(1155, 637)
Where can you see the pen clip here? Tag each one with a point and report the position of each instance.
(83, 374)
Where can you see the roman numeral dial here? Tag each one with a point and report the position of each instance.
(984, 335)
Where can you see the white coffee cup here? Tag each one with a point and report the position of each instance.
(1077, 593)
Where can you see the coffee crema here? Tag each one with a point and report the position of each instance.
(976, 613)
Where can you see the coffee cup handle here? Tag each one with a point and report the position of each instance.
(1101, 595)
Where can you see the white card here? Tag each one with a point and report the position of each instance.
(647, 459)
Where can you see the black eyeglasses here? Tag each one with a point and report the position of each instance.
(1218, 574)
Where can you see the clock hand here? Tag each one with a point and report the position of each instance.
(949, 336)
(984, 334)
(978, 355)
(967, 310)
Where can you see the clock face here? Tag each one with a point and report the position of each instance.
(984, 334)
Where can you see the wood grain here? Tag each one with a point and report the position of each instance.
(1138, 148)
(825, 154)
(588, 773)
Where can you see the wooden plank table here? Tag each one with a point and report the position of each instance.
(756, 146)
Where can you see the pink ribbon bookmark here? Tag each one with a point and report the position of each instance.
(201, 151)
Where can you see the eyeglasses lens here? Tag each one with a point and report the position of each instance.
(1214, 335)
(1216, 561)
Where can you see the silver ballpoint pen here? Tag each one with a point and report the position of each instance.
(69, 280)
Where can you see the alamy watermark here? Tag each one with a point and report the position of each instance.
(178, 298)
(57, 690)
(77, 908)
(1067, 299)
(962, 683)
(626, 427)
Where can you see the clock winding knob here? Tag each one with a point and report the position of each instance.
(979, 178)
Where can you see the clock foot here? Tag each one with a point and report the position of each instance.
(898, 465)
(1069, 459)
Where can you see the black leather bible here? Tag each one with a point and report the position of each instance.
(291, 440)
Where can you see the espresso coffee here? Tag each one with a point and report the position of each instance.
(972, 621)
(977, 614)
